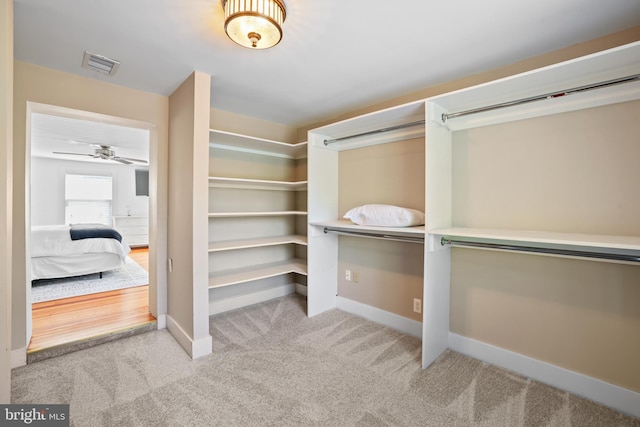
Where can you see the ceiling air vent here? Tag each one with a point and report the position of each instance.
(99, 63)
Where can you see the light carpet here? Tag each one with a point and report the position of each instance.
(129, 275)
(273, 366)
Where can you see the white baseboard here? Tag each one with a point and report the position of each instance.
(18, 357)
(394, 321)
(194, 349)
(239, 301)
(616, 397)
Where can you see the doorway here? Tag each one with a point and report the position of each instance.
(62, 143)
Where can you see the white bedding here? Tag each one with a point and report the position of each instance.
(54, 267)
(54, 254)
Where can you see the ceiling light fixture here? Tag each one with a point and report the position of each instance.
(255, 24)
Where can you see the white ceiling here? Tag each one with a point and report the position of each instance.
(336, 55)
(50, 133)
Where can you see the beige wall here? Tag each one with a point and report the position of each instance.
(390, 173)
(389, 274)
(236, 164)
(245, 125)
(187, 220)
(46, 86)
(580, 315)
(6, 139)
(573, 172)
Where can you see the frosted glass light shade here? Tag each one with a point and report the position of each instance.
(256, 24)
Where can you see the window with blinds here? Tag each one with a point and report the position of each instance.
(88, 199)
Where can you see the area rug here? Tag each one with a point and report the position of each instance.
(127, 276)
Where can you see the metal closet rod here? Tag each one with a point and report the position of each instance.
(372, 132)
(549, 251)
(409, 239)
(628, 79)
(446, 116)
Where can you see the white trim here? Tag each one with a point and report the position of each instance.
(18, 357)
(232, 303)
(614, 396)
(394, 321)
(161, 321)
(194, 349)
(202, 347)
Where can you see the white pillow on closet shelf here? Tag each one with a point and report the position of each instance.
(385, 216)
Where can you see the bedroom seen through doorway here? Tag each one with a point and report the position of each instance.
(89, 224)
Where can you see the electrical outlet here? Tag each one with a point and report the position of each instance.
(347, 275)
(417, 305)
(355, 276)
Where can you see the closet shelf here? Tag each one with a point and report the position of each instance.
(393, 231)
(253, 214)
(543, 238)
(257, 243)
(379, 127)
(256, 184)
(263, 271)
(249, 144)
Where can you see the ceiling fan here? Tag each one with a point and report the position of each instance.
(106, 152)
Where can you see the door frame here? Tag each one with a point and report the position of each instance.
(157, 277)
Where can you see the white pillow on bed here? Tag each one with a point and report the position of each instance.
(385, 216)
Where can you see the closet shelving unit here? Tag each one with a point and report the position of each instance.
(538, 93)
(325, 144)
(543, 92)
(241, 265)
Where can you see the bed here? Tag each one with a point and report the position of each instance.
(65, 251)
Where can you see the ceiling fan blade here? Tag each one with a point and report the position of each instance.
(73, 154)
(121, 160)
(134, 160)
(93, 144)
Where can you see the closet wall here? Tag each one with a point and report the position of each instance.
(572, 172)
(389, 274)
(187, 311)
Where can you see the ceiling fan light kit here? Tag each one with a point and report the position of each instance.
(254, 24)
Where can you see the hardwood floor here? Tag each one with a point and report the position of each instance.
(78, 318)
(140, 256)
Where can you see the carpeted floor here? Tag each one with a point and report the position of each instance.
(273, 366)
(129, 275)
